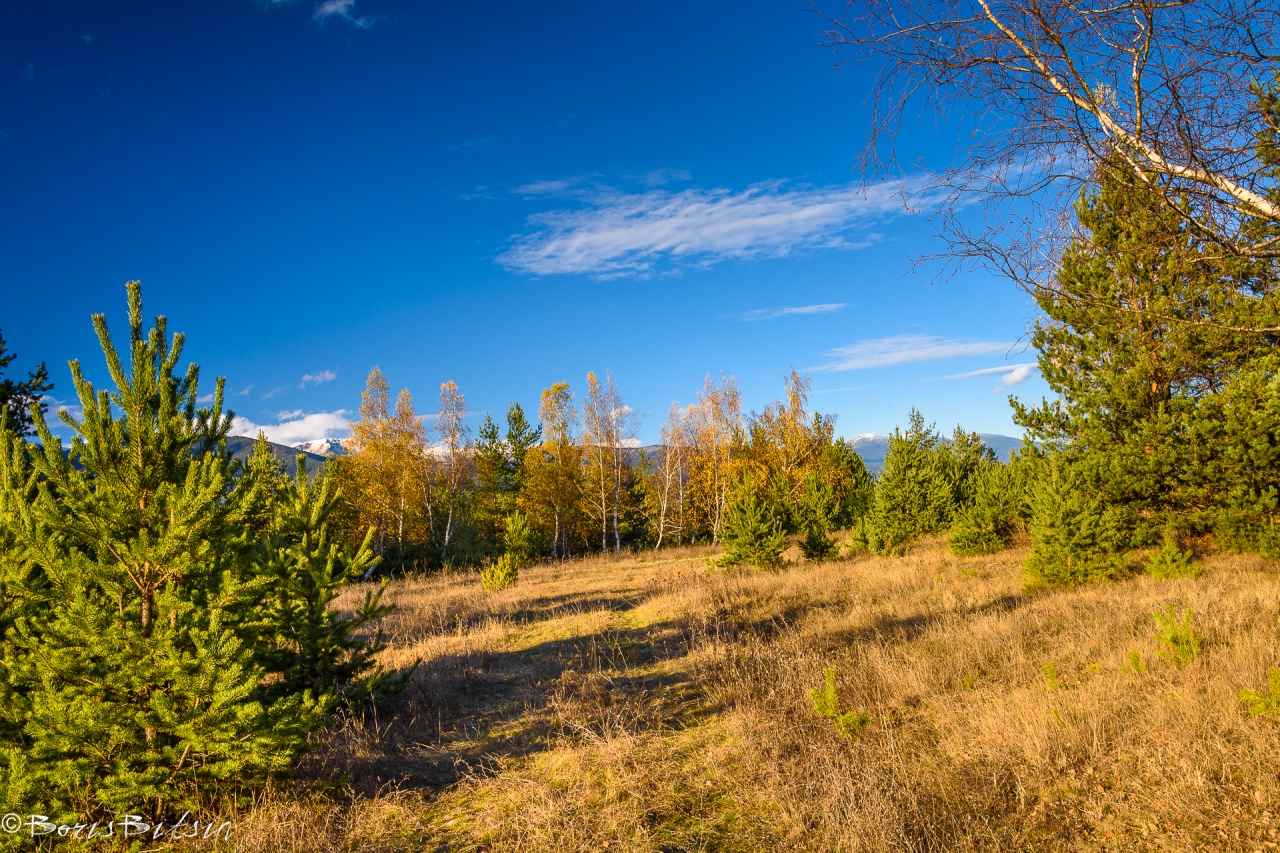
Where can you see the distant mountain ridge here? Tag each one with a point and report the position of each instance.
(241, 448)
(873, 448)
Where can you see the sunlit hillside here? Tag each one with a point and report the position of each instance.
(647, 703)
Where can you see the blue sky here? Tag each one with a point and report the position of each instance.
(501, 194)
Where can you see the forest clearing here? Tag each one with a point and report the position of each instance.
(647, 703)
(555, 464)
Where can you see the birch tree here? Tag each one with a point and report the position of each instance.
(553, 474)
(668, 480)
(715, 429)
(608, 430)
(785, 442)
(1178, 98)
(386, 470)
(598, 454)
(455, 469)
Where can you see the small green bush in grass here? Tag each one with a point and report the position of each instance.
(1171, 562)
(826, 703)
(500, 574)
(1181, 643)
(1264, 704)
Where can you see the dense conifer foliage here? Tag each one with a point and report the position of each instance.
(164, 622)
(1167, 411)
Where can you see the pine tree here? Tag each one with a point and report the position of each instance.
(311, 646)
(492, 469)
(132, 684)
(852, 482)
(997, 508)
(17, 398)
(163, 625)
(519, 539)
(751, 535)
(915, 492)
(817, 510)
(1074, 534)
(521, 437)
(1166, 402)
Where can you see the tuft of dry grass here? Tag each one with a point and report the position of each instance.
(644, 703)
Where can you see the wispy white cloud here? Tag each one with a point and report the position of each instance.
(620, 234)
(546, 187)
(904, 349)
(660, 177)
(1010, 375)
(58, 405)
(245, 391)
(205, 398)
(297, 428)
(344, 10)
(773, 313)
(317, 378)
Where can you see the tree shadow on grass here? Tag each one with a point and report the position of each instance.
(472, 712)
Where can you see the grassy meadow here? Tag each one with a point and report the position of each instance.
(644, 703)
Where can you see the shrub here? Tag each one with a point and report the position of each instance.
(751, 535)
(1073, 536)
(500, 574)
(826, 703)
(1051, 682)
(1171, 561)
(1181, 644)
(1134, 664)
(1264, 704)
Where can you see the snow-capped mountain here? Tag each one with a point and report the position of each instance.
(872, 448)
(323, 447)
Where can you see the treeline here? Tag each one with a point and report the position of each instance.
(576, 481)
(1162, 440)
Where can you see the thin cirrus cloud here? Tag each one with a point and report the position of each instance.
(343, 10)
(1010, 375)
(633, 234)
(318, 378)
(294, 427)
(774, 313)
(904, 349)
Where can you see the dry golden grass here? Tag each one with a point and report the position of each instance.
(644, 704)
